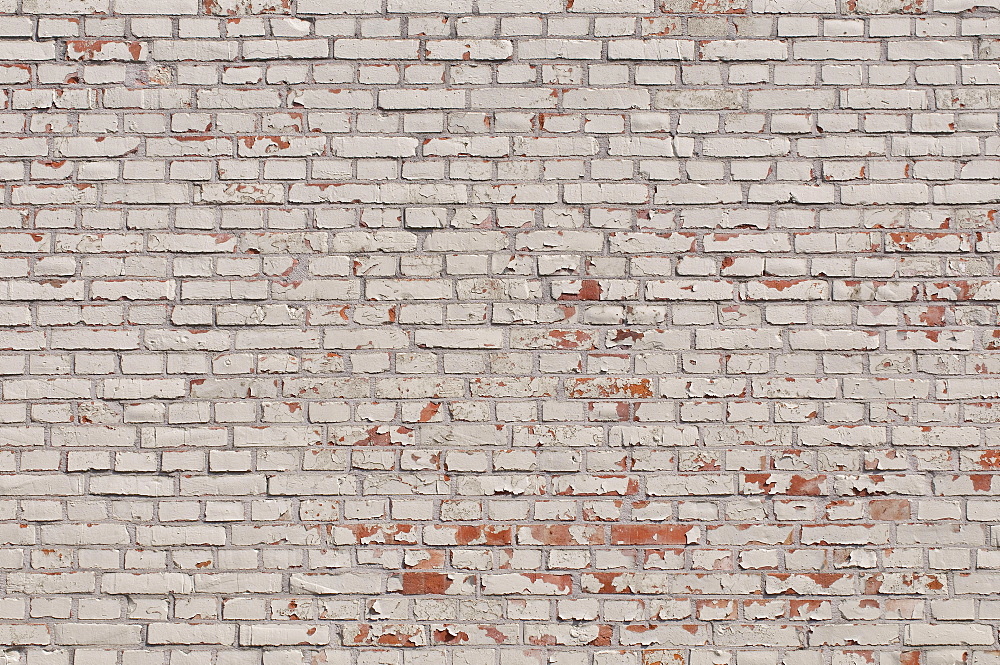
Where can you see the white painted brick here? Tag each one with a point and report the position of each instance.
(349, 323)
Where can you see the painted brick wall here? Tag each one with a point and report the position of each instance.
(499, 332)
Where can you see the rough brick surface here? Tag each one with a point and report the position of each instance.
(499, 332)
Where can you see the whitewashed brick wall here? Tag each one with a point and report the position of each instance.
(499, 332)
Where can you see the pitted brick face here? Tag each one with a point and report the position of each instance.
(499, 332)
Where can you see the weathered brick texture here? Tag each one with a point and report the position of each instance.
(499, 332)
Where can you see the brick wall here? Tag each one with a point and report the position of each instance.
(499, 332)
